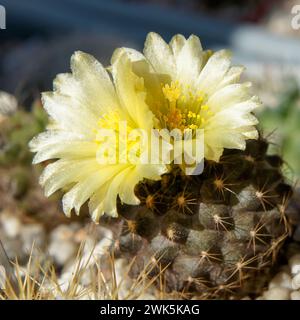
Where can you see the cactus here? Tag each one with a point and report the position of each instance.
(16, 131)
(210, 235)
(19, 189)
(205, 235)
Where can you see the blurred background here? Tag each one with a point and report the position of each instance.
(40, 37)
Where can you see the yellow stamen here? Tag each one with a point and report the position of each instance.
(172, 92)
(186, 108)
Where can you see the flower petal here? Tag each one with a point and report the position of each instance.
(177, 42)
(160, 55)
(94, 81)
(213, 72)
(80, 121)
(189, 61)
(63, 172)
(229, 96)
(50, 137)
(142, 68)
(232, 76)
(131, 91)
(126, 191)
(83, 190)
(110, 203)
(67, 150)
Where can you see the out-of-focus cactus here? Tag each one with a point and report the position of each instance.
(15, 132)
(20, 192)
(283, 123)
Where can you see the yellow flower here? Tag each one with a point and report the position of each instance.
(81, 105)
(189, 88)
(171, 86)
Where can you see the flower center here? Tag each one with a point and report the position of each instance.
(186, 109)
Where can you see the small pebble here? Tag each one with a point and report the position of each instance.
(124, 282)
(103, 246)
(296, 282)
(62, 232)
(282, 279)
(11, 225)
(277, 294)
(8, 104)
(295, 295)
(62, 251)
(149, 296)
(33, 235)
(65, 280)
(294, 264)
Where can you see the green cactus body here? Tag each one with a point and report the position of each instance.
(210, 235)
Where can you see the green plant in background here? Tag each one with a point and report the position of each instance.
(20, 192)
(15, 132)
(283, 122)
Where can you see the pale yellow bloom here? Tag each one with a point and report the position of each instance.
(81, 104)
(188, 87)
(169, 86)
